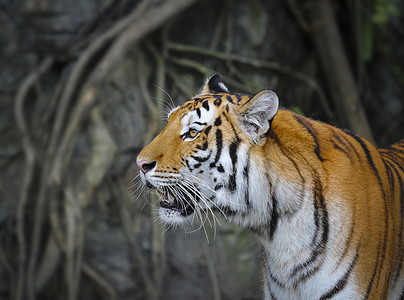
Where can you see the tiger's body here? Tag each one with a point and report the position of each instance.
(326, 206)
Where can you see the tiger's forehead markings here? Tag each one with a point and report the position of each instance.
(234, 98)
(217, 99)
(202, 108)
(197, 111)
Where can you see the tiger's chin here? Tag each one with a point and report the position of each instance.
(173, 217)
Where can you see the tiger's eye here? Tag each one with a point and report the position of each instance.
(193, 133)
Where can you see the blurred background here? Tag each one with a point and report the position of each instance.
(84, 86)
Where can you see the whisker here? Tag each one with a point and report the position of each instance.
(192, 197)
(135, 177)
(207, 199)
(180, 198)
(189, 192)
(145, 202)
(167, 108)
(138, 191)
(172, 104)
(197, 210)
(164, 102)
(202, 197)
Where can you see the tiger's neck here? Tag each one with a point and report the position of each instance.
(273, 179)
(277, 184)
(282, 200)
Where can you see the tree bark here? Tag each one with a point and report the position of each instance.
(340, 80)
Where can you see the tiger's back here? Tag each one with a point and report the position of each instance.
(326, 206)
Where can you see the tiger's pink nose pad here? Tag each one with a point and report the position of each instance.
(145, 166)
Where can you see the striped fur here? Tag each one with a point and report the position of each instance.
(326, 206)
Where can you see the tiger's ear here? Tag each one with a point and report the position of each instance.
(255, 116)
(214, 85)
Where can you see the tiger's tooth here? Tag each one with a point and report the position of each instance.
(160, 194)
(171, 198)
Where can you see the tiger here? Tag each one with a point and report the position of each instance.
(326, 206)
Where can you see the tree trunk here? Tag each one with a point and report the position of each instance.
(340, 80)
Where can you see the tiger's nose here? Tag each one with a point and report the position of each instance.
(145, 166)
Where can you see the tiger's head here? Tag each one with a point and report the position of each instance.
(201, 160)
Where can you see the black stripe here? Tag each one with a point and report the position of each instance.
(320, 214)
(207, 130)
(368, 156)
(398, 160)
(198, 112)
(228, 97)
(274, 218)
(219, 145)
(372, 279)
(340, 285)
(233, 152)
(205, 104)
(188, 165)
(344, 148)
(348, 242)
(201, 159)
(338, 138)
(348, 142)
(390, 178)
(203, 147)
(218, 187)
(233, 156)
(273, 278)
(320, 197)
(218, 121)
(247, 181)
(307, 273)
(270, 292)
(370, 160)
(232, 182)
(313, 132)
(316, 216)
(392, 155)
(200, 123)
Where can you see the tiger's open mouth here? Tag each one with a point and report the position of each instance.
(185, 205)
